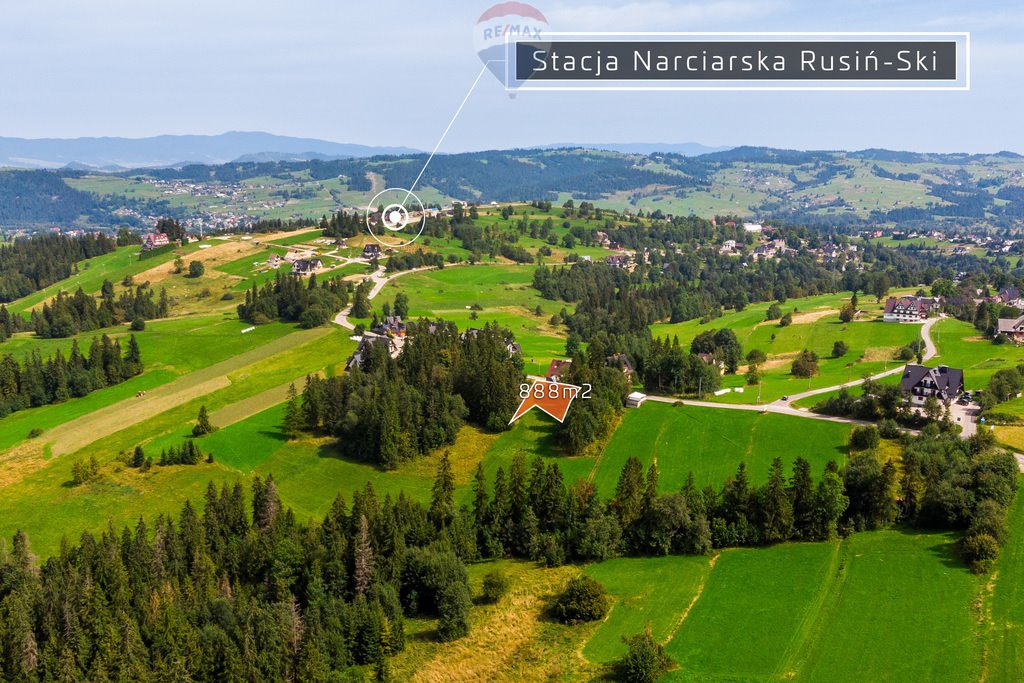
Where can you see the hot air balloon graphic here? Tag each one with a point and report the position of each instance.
(512, 19)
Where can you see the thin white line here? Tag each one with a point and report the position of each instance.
(445, 133)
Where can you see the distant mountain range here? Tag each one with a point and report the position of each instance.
(688, 149)
(113, 154)
(116, 154)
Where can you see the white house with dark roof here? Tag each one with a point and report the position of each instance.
(920, 382)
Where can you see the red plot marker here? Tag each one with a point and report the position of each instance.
(554, 398)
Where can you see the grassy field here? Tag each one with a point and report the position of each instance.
(651, 591)
(711, 442)
(749, 618)
(504, 295)
(122, 494)
(164, 356)
(816, 326)
(1002, 619)
(960, 345)
(91, 274)
(879, 606)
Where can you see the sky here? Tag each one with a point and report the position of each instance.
(393, 73)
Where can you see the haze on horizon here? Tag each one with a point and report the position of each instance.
(348, 72)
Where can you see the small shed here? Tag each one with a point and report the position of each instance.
(635, 399)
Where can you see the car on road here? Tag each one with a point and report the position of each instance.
(784, 398)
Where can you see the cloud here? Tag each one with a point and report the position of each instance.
(658, 15)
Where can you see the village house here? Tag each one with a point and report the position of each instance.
(392, 326)
(728, 247)
(556, 369)
(920, 382)
(392, 344)
(617, 260)
(909, 309)
(621, 360)
(601, 238)
(372, 251)
(1012, 328)
(304, 267)
(274, 261)
(1009, 296)
(511, 345)
(154, 240)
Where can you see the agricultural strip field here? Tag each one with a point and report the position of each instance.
(711, 443)
(879, 606)
(225, 349)
(40, 493)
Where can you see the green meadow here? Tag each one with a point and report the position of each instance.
(711, 442)
(878, 606)
(872, 344)
(164, 356)
(503, 294)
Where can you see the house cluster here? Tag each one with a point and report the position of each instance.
(618, 261)
(392, 332)
(557, 368)
(910, 309)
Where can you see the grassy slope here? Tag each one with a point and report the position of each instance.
(872, 344)
(711, 442)
(506, 296)
(163, 354)
(1003, 626)
(121, 495)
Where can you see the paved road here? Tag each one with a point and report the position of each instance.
(781, 407)
(929, 352)
(379, 280)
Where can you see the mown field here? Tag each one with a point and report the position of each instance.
(816, 326)
(503, 294)
(711, 443)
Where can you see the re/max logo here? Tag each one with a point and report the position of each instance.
(499, 31)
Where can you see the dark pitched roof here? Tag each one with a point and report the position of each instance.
(946, 379)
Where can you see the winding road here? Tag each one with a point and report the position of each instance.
(785, 407)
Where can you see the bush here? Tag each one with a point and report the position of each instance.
(889, 429)
(495, 587)
(584, 599)
(35, 432)
(138, 324)
(905, 354)
(774, 312)
(645, 659)
(196, 269)
(864, 438)
(980, 552)
(806, 364)
(786, 320)
(227, 296)
(839, 349)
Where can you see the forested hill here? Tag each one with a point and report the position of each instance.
(872, 186)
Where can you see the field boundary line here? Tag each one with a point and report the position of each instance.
(700, 591)
(817, 614)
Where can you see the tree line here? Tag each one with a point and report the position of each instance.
(30, 264)
(37, 382)
(290, 298)
(232, 593)
(70, 314)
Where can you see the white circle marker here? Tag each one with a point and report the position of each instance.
(396, 216)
